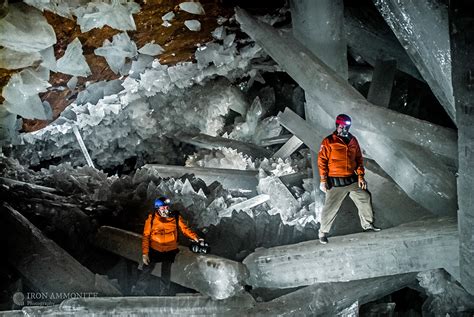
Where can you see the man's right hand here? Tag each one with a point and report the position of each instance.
(323, 187)
(146, 259)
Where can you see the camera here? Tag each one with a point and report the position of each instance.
(200, 247)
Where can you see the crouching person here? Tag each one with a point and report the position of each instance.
(160, 244)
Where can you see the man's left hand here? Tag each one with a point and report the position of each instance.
(362, 183)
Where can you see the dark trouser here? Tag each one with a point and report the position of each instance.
(166, 259)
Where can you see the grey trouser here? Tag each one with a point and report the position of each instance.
(334, 198)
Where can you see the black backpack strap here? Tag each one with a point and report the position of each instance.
(153, 215)
(176, 218)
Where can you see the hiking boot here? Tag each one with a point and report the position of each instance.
(372, 228)
(323, 239)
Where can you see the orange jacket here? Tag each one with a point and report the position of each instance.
(338, 159)
(164, 234)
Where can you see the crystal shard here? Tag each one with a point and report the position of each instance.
(117, 51)
(73, 62)
(151, 49)
(192, 7)
(193, 25)
(25, 29)
(10, 59)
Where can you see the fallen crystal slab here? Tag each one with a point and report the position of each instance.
(280, 139)
(182, 305)
(210, 142)
(421, 245)
(192, 7)
(229, 178)
(43, 263)
(73, 62)
(211, 275)
(25, 29)
(327, 299)
(10, 59)
(289, 147)
(151, 49)
(193, 25)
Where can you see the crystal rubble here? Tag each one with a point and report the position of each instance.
(253, 129)
(11, 59)
(220, 158)
(25, 29)
(372, 39)
(326, 299)
(210, 275)
(193, 25)
(117, 15)
(21, 93)
(117, 51)
(44, 264)
(304, 66)
(73, 62)
(421, 245)
(182, 305)
(445, 295)
(422, 28)
(192, 7)
(58, 7)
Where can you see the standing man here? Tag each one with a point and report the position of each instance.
(160, 244)
(342, 173)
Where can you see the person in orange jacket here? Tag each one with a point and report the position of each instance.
(341, 171)
(160, 243)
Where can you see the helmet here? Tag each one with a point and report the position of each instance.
(344, 120)
(162, 201)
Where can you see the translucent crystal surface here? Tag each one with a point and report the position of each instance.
(116, 51)
(73, 62)
(151, 49)
(192, 7)
(25, 29)
(10, 59)
(193, 25)
(117, 15)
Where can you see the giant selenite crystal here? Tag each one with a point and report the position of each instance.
(25, 29)
(422, 28)
(421, 245)
(43, 263)
(209, 274)
(369, 37)
(335, 95)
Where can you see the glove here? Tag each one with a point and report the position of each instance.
(323, 187)
(362, 183)
(146, 259)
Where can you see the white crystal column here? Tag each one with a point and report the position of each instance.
(382, 82)
(462, 48)
(421, 245)
(423, 30)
